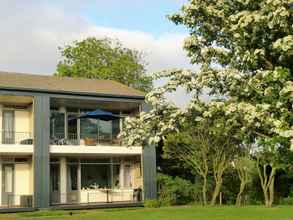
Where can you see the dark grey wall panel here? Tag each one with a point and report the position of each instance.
(149, 166)
(41, 151)
(149, 172)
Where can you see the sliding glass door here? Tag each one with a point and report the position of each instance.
(8, 135)
(7, 184)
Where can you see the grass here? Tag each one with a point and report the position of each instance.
(168, 213)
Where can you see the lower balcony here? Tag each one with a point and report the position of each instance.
(95, 181)
(97, 196)
(17, 182)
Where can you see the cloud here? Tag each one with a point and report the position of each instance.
(30, 37)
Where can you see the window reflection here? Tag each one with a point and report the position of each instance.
(57, 129)
(90, 131)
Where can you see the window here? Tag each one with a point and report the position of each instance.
(54, 173)
(115, 127)
(127, 176)
(88, 128)
(8, 134)
(72, 180)
(95, 176)
(116, 176)
(57, 120)
(72, 127)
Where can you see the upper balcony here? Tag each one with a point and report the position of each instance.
(16, 124)
(69, 133)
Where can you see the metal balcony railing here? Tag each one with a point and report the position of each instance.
(17, 201)
(13, 137)
(88, 140)
(97, 196)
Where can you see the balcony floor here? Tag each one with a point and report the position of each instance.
(89, 150)
(18, 149)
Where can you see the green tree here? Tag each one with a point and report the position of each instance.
(205, 147)
(104, 59)
(192, 149)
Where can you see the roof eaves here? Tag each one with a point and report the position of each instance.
(138, 97)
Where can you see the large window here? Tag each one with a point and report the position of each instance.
(54, 176)
(72, 128)
(8, 134)
(88, 128)
(98, 131)
(57, 122)
(95, 176)
(96, 173)
(103, 173)
(116, 176)
(105, 131)
(127, 176)
(72, 180)
(115, 127)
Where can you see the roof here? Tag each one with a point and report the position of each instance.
(56, 84)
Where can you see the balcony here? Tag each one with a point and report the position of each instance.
(96, 196)
(16, 125)
(91, 144)
(106, 139)
(16, 143)
(13, 137)
(95, 180)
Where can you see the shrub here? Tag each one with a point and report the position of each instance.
(286, 201)
(175, 191)
(152, 203)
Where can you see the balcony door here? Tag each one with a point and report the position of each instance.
(127, 176)
(72, 128)
(55, 183)
(7, 184)
(8, 134)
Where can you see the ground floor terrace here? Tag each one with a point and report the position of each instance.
(16, 181)
(74, 180)
(88, 180)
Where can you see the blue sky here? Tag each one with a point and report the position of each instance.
(149, 16)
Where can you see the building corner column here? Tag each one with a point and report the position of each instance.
(41, 155)
(149, 165)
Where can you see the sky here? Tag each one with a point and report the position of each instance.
(32, 30)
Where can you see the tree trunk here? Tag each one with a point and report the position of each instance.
(266, 197)
(204, 191)
(239, 195)
(267, 183)
(271, 191)
(216, 191)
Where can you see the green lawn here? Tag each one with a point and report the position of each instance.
(169, 213)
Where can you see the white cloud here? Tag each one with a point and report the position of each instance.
(30, 37)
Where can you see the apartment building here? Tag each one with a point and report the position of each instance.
(59, 144)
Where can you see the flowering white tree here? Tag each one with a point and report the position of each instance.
(245, 50)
